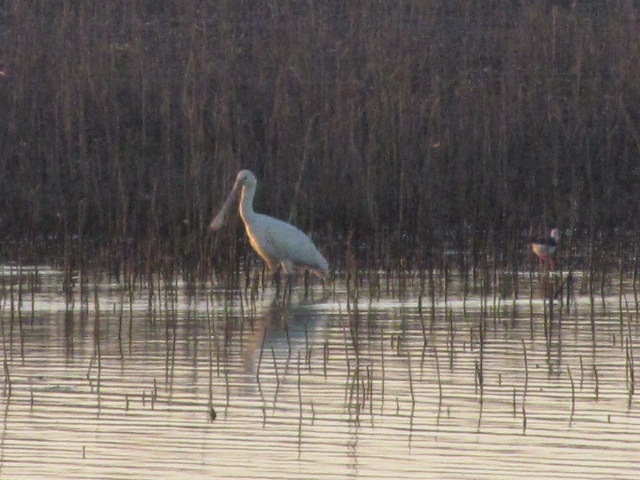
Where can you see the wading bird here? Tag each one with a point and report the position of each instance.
(545, 248)
(277, 242)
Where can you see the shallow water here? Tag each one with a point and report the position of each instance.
(133, 381)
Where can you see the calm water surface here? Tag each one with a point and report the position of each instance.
(121, 381)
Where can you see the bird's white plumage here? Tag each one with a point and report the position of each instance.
(277, 242)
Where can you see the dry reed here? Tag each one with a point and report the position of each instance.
(412, 127)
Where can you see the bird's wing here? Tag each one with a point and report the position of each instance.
(286, 242)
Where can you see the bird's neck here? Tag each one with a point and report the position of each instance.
(246, 204)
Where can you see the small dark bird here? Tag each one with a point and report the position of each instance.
(545, 248)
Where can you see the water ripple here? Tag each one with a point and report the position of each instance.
(194, 386)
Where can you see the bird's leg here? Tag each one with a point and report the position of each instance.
(276, 280)
(545, 262)
(289, 271)
(287, 266)
(284, 303)
(306, 283)
(288, 285)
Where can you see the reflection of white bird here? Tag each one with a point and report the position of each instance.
(544, 248)
(277, 242)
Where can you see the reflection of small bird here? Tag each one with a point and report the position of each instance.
(277, 242)
(545, 248)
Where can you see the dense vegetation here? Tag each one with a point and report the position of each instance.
(409, 126)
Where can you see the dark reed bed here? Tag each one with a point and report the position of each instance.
(395, 132)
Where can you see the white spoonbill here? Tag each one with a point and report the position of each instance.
(545, 248)
(277, 242)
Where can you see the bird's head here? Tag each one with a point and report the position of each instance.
(245, 179)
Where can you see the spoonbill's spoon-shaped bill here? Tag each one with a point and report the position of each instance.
(218, 220)
(277, 242)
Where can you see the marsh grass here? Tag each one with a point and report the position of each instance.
(393, 132)
(370, 353)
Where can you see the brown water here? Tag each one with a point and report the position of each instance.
(114, 382)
